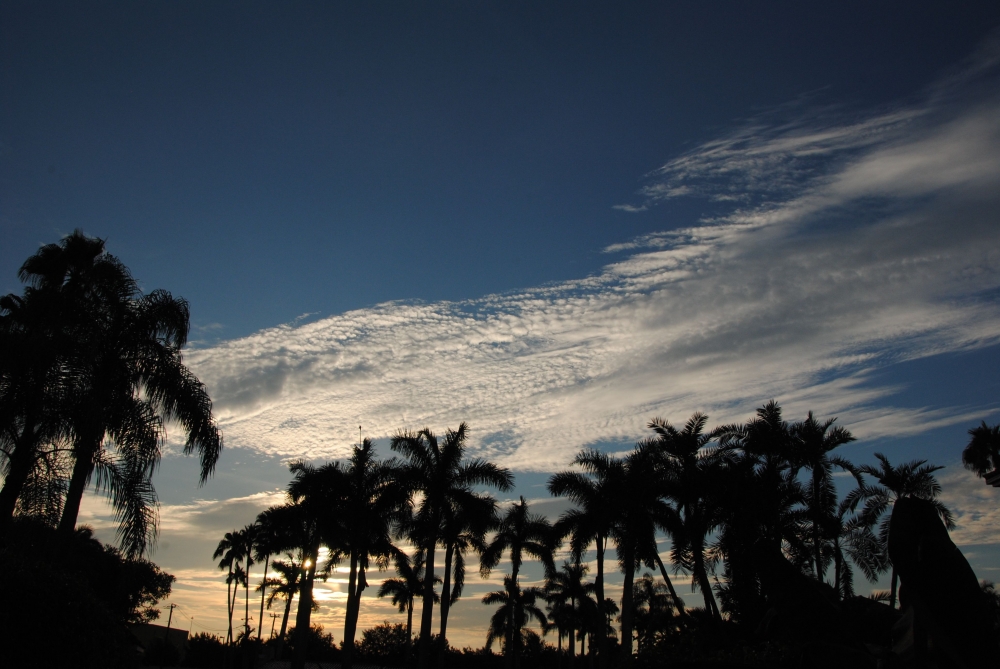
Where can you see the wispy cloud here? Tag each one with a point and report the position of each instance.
(851, 244)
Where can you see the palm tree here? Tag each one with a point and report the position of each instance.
(463, 529)
(814, 441)
(370, 502)
(34, 390)
(248, 542)
(408, 587)
(683, 461)
(754, 462)
(310, 492)
(267, 543)
(595, 492)
(229, 550)
(982, 455)
(519, 532)
(911, 479)
(436, 473)
(285, 586)
(566, 590)
(517, 607)
(128, 377)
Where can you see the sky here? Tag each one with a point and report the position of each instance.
(553, 222)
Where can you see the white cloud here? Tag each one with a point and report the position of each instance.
(853, 244)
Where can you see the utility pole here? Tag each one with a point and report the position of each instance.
(166, 635)
(273, 616)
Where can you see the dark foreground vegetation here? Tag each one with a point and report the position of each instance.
(90, 368)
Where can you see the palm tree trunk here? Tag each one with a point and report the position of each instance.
(670, 587)
(246, 610)
(892, 590)
(263, 591)
(446, 593)
(20, 468)
(816, 539)
(284, 625)
(625, 658)
(572, 632)
(304, 612)
(355, 585)
(602, 641)
(82, 468)
(701, 574)
(837, 567)
(427, 612)
(409, 626)
(229, 604)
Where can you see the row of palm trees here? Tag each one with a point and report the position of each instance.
(742, 504)
(90, 370)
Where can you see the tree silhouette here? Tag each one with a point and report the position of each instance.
(126, 376)
(310, 493)
(229, 550)
(285, 586)
(519, 532)
(516, 608)
(408, 587)
(595, 492)
(437, 474)
(566, 591)
(982, 455)
(813, 442)
(463, 529)
(911, 479)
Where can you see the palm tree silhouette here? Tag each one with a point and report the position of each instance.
(285, 586)
(358, 524)
(128, 376)
(519, 532)
(266, 543)
(408, 587)
(911, 479)
(463, 529)
(229, 550)
(310, 492)
(437, 474)
(982, 455)
(595, 493)
(814, 441)
(686, 466)
(566, 590)
(517, 607)
(35, 348)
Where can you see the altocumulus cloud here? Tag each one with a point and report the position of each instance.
(849, 244)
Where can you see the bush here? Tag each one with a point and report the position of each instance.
(386, 644)
(204, 651)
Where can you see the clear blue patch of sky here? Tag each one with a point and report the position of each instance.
(266, 161)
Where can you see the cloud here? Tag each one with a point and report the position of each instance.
(851, 244)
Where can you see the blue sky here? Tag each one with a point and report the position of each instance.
(554, 223)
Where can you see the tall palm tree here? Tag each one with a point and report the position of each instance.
(128, 375)
(370, 502)
(754, 462)
(813, 442)
(911, 479)
(267, 543)
(566, 590)
(310, 492)
(683, 460)
(229, 550)
(595, 492)
(518, 533)
(463, 529)
(248, 542)
(408, 587)
(517, 607)
(437, 474)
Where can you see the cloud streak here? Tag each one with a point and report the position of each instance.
(850, 245)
